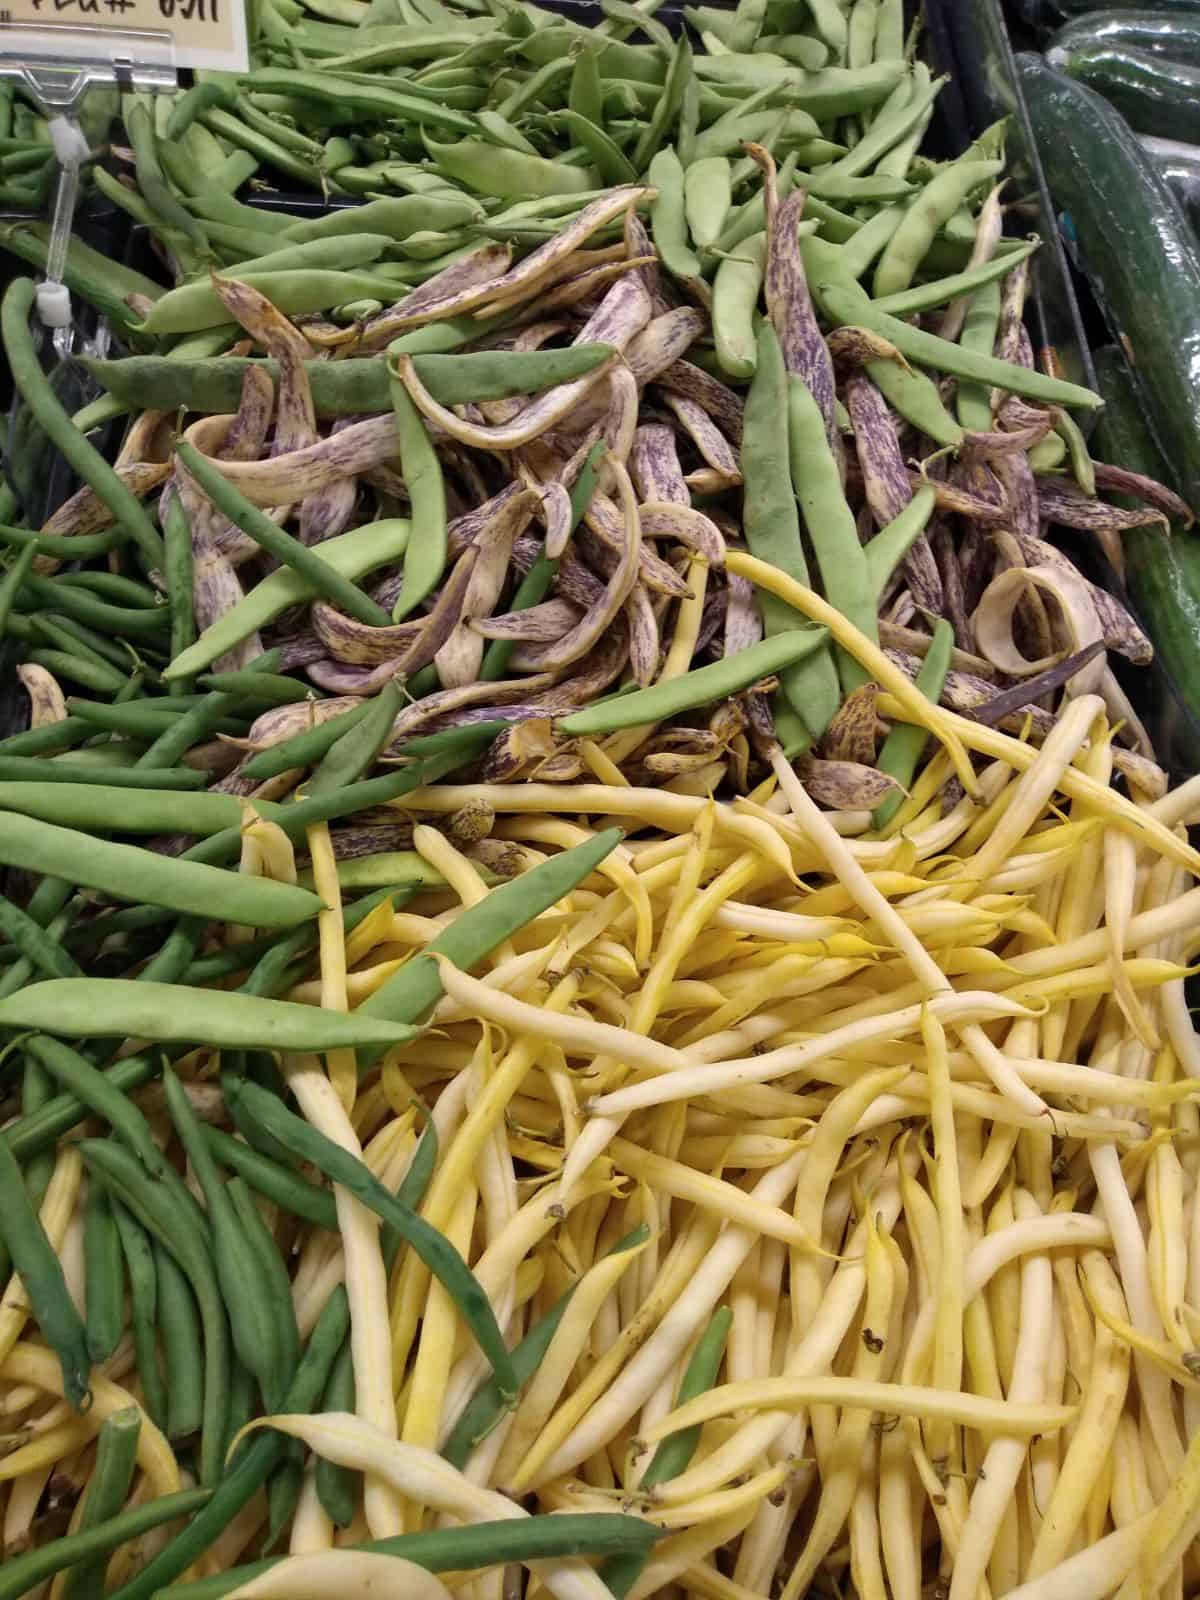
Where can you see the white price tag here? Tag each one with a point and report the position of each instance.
(204, 33)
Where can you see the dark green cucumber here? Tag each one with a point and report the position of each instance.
(1154, 95)
(1172, 34)
(1179, 165)
(1162, 569)
(1135, 244)
(1080, 8)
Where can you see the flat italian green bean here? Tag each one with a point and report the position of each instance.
(173, 1013)
(941, 291)
(699, 687)
(305, 562)
(667, 218)
(128, 873)
(352, 555)
(831, 525)
(735, 299)
(772, 527)
(425, 556)
(413, 991)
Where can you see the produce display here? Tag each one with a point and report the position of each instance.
(593, 949)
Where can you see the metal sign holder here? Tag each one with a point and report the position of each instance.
(56, 64)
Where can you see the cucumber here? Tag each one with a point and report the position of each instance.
(1173, 34)
(1136, 247)
(1179, 164)
(1154, 95)
(1163, 569)
(1080, 8)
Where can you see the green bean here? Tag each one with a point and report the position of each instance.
(170, 1214)
(37, 393)
(585, 96)
(140, 719)
(904, 744)
(424, 558)
(277, 1286)
(72, 633)
(143, 1311)
(33, 769)
(258, 687)
(1069, 431)
(41, 1272)
(273, 1180)
(413, 991)
(772, 527)
(131, 622)
(735, 297)
(303, 749)
(232, 128)
(182, 1345)
(139, 125)
(679, 73)
(940, 291)
(99, 281)
(707, 196)
(295, 817)
(245, 1290)
(173, 1013)
(702, 686)
(351, 555)
(254, 1464)
(37, 1090)
(33, 942)
(667, 218)
(479, 1544)
(94, 1090)
(305, 562)
(128, 873)
(916, 397)
(42, 1125)
(845, 303)
(25, 1572)
(108, 1485)
(335, 1485)
(535, 584)
(13, 579)
(488, 1404)
(177, 566)
(355, 752)
(200, 97)
(243, 1407)
(937, 202)
(123, 591)
(104, 1280)
(892, 543)
(831, 525)
(675, 1452)
(442, 1259)
(99, 678)
(862, 248)
(69, 547)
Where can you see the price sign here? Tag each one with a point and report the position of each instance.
(204, 33)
